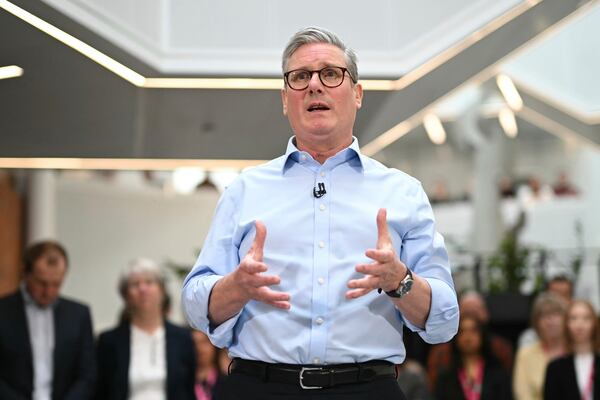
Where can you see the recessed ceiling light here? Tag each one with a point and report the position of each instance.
(10, 71)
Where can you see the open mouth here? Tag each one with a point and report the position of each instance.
(317, 107)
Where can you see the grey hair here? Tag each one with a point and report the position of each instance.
(320, 35)
(546, 303)
(145, 266)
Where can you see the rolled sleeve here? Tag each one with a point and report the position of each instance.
(195, 298)
(442, 322)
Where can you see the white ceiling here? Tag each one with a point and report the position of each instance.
(204, 37)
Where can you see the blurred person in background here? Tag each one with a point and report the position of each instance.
(474, 372)
(561, 285)
(575, 376)
(46, 341)
(145, 357)
(563, 187)
(440, 355)
(209, 377)
(547, 318)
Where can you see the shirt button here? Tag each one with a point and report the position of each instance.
(321, 244)
(322, 173)
(319, 320)
(303, 157)
(322, 207)
(321, 280)
(316, 360)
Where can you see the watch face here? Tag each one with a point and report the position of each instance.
(406, 287)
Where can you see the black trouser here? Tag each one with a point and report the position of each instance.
(240, 386)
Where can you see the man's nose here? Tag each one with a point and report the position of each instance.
(315, 82)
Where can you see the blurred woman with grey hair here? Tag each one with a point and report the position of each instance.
(145, 356)
(547, 317)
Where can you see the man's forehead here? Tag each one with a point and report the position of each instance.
(49, 266)
(319, 54)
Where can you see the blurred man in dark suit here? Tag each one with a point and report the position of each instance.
(46, 341)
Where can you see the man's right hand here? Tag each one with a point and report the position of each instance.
(247, 282)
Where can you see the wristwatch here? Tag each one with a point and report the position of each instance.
(404, 287)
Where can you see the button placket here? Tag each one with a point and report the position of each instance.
(318, 343)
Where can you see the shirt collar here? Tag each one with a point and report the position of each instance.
(293, 155)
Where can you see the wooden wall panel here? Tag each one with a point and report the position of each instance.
(11, 212)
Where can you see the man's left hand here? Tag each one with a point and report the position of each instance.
(386, 271)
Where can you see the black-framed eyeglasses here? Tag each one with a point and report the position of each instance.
(331, 77)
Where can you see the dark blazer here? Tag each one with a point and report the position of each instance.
(74, 364)
(113, 353)
(561, 381)
(496, 384)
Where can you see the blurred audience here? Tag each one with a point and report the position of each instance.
(534, 191)
(574, 376)
(560, 285)
(440, 355)
(563, 187)
(506, 186)
(474, 372)
(145, 357)
(547, 318)
(46, 341)
(439, 193)
(209, 376)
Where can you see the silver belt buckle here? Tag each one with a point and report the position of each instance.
(304, 369)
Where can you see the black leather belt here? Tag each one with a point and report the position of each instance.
(314, 376)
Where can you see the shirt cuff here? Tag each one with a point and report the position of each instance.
(195, 297)
(442, 322)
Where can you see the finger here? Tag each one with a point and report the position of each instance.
(368, 282)
(374, 269)
(267, 295)
(259, 241)
(258, 281)
(253, 267)
(383, 234)
(354, 294)
(284, 305)
(381, 255)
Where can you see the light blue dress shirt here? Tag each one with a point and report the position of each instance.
(313, 245)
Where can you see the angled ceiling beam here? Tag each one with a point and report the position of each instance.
(404, 109)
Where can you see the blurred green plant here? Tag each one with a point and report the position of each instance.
(508, 265)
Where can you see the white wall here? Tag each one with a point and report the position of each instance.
(104, 226)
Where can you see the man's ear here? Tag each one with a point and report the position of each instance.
(358, 90)
(284, 100)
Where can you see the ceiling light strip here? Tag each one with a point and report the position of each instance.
(10, 71)
(76, 44)
(124, 163)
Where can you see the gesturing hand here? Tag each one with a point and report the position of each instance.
(249, 277)
(386, 271)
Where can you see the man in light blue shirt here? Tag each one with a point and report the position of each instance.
(293, 272)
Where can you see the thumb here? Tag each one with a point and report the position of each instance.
(259, 241)
(383, 234)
